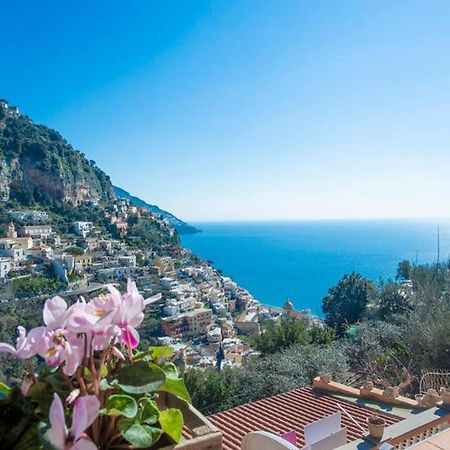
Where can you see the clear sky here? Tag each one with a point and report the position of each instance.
(228, 110)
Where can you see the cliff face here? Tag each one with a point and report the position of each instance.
(38, 165)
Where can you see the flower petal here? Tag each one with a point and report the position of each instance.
(54, 311)
(73, 355)
(83, 444)
(85, 412)
(26, 384)
(130, 337)
(7, 348)
(58, 430)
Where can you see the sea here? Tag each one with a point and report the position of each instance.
(301, 260)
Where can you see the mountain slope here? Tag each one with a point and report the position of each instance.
(37, 165)
(180, 226)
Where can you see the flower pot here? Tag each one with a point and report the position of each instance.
(376, 426)
(391, 392)
(203, 435)
(445, 396)
(419, 398)
(326, 377)
(430, 399)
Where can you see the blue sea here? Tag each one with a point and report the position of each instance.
(302, 260)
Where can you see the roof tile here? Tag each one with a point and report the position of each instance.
(291, 411)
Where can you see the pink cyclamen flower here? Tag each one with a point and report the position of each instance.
(56, 344)
(26, 384)
(129, 313)
(85, 412)
(26, 345)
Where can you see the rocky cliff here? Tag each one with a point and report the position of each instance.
(37, 165)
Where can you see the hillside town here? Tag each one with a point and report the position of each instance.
(202, 314)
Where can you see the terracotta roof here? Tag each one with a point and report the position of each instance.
(290, 411)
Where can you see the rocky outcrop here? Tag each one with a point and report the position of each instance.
(37, 165)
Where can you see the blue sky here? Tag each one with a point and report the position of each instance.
(228, 110)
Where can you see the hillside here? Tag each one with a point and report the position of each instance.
(180, 226)
(38, 166)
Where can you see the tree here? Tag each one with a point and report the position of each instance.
(277, 336)
(347, 301)
(404, 270)
(374, 350)
(394, 299)
(283, 371)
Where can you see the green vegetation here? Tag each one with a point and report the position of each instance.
(27, 314)
(147, 233)
(35, 286)
(75, 251)
(46, 168)
(346, 302)
(270, 375)
(275, 337)
(377, 332)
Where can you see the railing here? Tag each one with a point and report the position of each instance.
(407, 432)
(434, 379)
(421, 433)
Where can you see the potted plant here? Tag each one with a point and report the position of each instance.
(391, 392)
(376, 425)
(445, 395)
(325, 377)
(430, 399)
(94, 380)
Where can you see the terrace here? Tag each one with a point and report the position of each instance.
(407, 424)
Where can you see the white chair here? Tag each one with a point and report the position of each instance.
(325, 434)
(263, 440)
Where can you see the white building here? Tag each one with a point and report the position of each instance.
(82, 228)
(5, 267)
(36, 231)
(29, 215)
(214, 336)
(9, 248)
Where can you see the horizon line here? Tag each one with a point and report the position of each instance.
(322, 219)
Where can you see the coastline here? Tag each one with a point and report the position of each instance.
(302, 260)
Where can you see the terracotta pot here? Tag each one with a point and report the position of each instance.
(376, 426)
(326, 377)
(445, 395)
(430, 399)
(391, 392)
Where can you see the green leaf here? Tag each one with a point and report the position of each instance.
(171, 371)
(140, 356)
(171, 421)
(177, 388)
(36, 389)
(161, 352)
(121, 405)
(104, 385)
(139, 436)
(140, 378)
(149, 412)
(28, 439)
(4, 390)
(57, 382)
(103, 371)
(87, 375)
